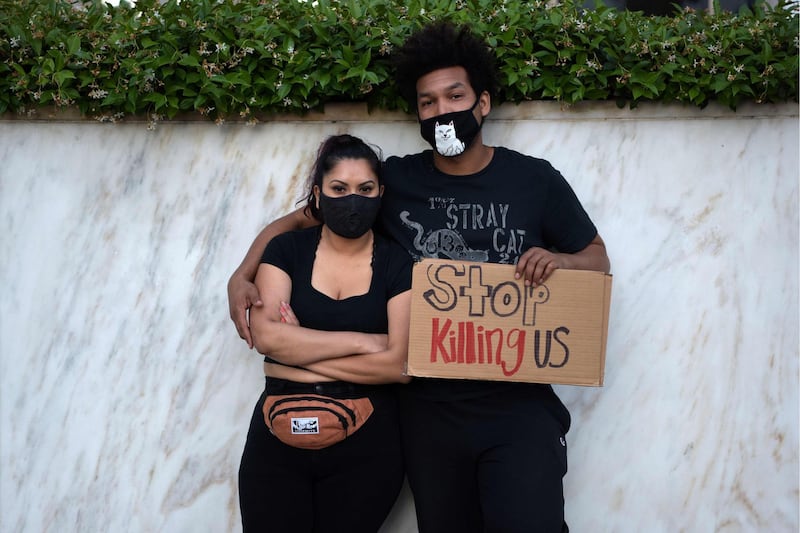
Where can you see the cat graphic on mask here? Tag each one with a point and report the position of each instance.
(447, 143)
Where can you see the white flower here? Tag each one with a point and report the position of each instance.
(503, 27)
(287, 101)
(221, 47)
(154, 118)
(15, 41)
(98, 94)
(738, 68)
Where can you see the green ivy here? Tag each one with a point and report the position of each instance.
(251, 58)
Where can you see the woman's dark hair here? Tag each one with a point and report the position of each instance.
(442, 45)
(331, 151)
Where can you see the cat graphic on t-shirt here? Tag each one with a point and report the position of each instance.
(442, 242)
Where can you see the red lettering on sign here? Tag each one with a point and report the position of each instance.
(463, 339)
(437, 340)
(470, 344)
(518, 342)
(470, 334)
(490, 334)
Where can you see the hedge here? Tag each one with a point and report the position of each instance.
(247, 59)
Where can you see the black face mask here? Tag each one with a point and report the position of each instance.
(452, 133)
(349, 216)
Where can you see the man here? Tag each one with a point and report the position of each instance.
(481, 456)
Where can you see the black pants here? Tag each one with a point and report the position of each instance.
(350, 486)
(489, 464)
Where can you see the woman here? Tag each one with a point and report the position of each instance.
(334, 329)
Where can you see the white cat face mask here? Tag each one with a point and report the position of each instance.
(450, 134)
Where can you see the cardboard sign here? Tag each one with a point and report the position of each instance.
(475, 321)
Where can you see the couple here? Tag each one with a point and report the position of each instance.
(330, 442)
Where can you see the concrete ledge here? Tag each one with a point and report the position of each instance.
(538, 110)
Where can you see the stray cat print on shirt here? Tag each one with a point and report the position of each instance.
(464, 231)
(445, 242)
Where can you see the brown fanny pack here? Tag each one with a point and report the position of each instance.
(312, 421)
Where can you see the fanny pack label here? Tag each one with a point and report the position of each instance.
(307, 425)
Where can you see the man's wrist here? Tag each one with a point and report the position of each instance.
(237, 276)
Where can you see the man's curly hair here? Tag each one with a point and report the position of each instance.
(442, 45)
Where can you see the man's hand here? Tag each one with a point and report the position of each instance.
(536, 265)
(242, 294)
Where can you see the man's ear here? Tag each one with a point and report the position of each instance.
(381, 191)
(485, 103)
(315, 190)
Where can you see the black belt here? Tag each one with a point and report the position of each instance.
(341, 389)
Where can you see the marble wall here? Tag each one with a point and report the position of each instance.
(125, 392)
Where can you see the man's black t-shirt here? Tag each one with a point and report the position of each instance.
(516, 202)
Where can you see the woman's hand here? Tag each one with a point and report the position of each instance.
(287, 315)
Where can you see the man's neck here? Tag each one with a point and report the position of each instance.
(473, 160)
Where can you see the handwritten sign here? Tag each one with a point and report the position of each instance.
(475, 321)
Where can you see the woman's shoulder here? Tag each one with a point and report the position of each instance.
(298, 236)
(393, 260)
(291, 243)
(393, 263)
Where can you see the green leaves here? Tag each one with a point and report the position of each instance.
(249, 58)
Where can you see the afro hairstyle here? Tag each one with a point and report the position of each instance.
(443, 45)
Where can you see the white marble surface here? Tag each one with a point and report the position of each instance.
(125, 392)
